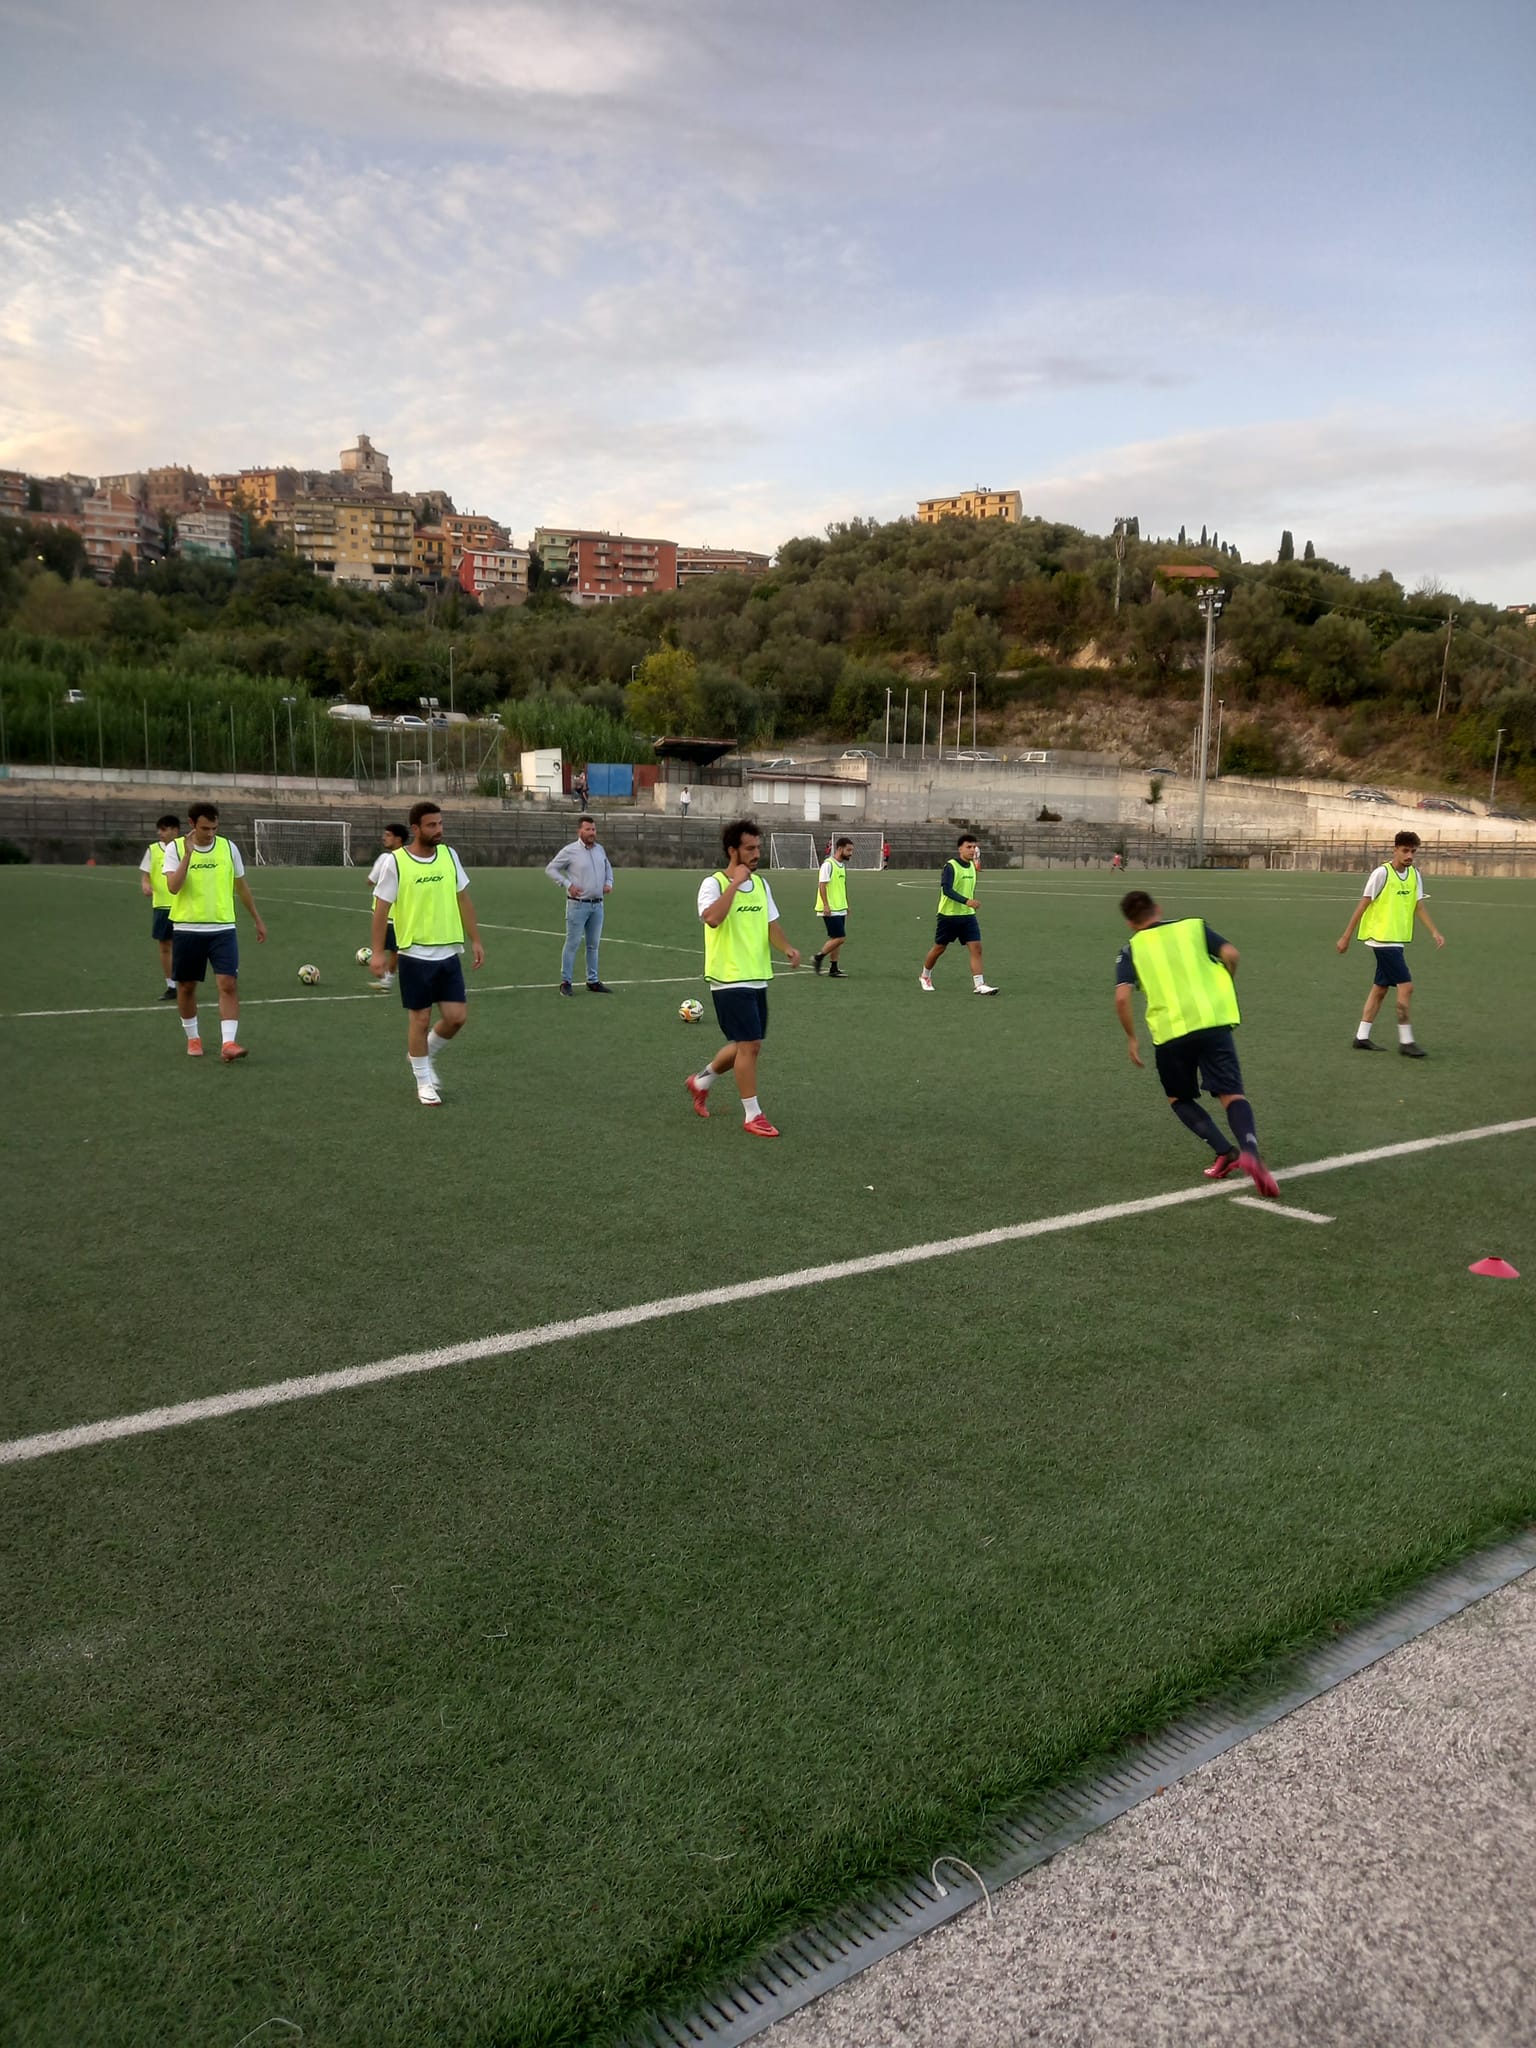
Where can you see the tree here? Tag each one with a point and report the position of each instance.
(664, 696)
(1287, 547)
(1183, 537)
(972, 646)
(124, 574)
(1203, 541)
(1309, 553)
(1154, 797)
(1339, 657)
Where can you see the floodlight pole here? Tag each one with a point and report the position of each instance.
(1210, 600)
(1498, 742)
(1445, 662)
(973, 713)
(887, 725)
(906, 706)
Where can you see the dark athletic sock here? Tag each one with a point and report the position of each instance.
(1240, 1117)
(1195, 1119)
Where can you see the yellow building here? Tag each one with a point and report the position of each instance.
(355, 540)
(978, 504)
(431, 554)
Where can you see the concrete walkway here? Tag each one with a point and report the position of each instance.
(1362, 1875)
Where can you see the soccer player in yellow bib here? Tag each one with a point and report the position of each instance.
(957, 916)
(429, 891)
(204, 874)
(1386, 914)
(1185, 971)
(152, 882)
(741, 926)
(832, 906)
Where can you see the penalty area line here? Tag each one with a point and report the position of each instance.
(494, 988)
(243, 1400)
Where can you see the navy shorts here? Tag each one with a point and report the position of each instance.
(1199, 1057)
(1391, 966)
(425, 982)
(160, 926)
(193, 953)
(950, 929)
(743, 1013)
(836, 922)
(389, 937)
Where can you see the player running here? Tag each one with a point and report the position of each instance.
(1385, 914)
(741, 926)
(832, 905)
(426, 883)
(1185, 971)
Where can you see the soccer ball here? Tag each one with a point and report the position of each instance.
(363, 955)
(309, 976)
(691, 1011)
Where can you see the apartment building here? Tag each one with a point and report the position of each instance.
(65, 494)
(692, 563)
(429, 546)
(553, 545)
(210, 534)
(126, 483)
(13, 494)
(363, 539)
(465, 530)
(496, 576)
(978, 504)
(605, 568)
(174, 489)
(114, 524)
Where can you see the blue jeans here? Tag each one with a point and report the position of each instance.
(582, 921)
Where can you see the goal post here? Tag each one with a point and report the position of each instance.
(303, 843)
(793, 850)
(867, 848)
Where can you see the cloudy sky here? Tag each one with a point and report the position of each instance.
(729, 272)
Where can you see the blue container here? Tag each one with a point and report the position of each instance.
(610, 778)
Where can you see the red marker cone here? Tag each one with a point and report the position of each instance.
(1494, 1269)
(91, 862)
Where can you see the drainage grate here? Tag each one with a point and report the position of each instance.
(817, 1959)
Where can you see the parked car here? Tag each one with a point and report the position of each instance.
(359, 712)
(1163, 774)
(860, 754)
(784, 761)
(1444, 803)
(74, 696)
(974, 754)
(1370, 796)
(410, 718)
(1517, 817)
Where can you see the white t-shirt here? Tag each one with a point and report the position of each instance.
(172, 862)
(1375, 882)
(387, 887)
(147, 864)
(710, 892)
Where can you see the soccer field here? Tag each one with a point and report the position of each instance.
(506, 1696)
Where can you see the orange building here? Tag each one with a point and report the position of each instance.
(608, 567)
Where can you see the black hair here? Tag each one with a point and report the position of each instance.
(169, 823)
(586, 818)
(967, 839)
(202, 809)
(738, 829)
(1407, 839)
(1135, 905)
(400, 832)
(425, 809)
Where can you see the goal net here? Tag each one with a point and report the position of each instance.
(1283, 859)
(793, 850)
(303, 843)
(866, 850)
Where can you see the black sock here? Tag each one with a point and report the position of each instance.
(1240, 1117)
(1195, 1119)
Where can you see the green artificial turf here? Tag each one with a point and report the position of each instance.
(497, 1704)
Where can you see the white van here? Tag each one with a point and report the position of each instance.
(359, 712)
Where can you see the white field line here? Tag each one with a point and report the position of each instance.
(151, 1421)
(1279, 1209)
(495, 988)
(531, 930)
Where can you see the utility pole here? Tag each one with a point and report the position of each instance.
(973, 713)
(1445, 662)
(887, 725)
(1221, 705)
(1210, 601)
(1498, 741)
(1122, 533)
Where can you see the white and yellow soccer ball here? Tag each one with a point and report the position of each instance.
(363, 955)
(309, 975)
(690, 1011)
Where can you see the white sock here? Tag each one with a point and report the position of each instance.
(750, 1107)
(229, 1029)
(705, 1079)
(925, 974)
(169, 982)
(436, 1044)
(1405, 1034)
(1362, 1029)
(387, 976)
(978, 981)
(189, 1025)
(421, 1067)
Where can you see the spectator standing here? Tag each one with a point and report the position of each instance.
(583, 871)
(685, 800)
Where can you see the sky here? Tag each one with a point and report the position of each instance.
(729, 273)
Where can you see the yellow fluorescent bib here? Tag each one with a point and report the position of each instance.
(160, 897)
(426, 911)
(1186, 990)
(207, 894)
(965, 886)
(1389, 918)
(837, 890)
(737, 949)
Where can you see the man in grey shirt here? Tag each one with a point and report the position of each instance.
(583, 872)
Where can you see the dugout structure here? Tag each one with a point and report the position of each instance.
(303, 843)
